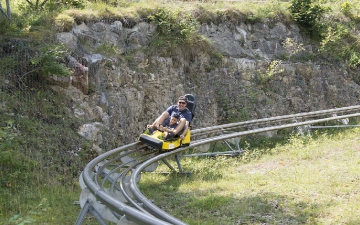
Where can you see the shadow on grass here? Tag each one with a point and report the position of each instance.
(210, 207)
(265, 208)
(277, 209)
(353, 222)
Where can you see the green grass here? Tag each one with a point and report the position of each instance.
(312, 181)
(304, 181)
(38, 172)
(43, 204)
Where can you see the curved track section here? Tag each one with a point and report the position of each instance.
(109, 182)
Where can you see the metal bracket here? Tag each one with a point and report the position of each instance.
(88, 208)
(177, 159)
(168, 164)
(307, 128)
(233, 152)
(301, 129)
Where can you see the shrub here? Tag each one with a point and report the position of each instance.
(49, 5)
(48, 61)
(292, 47)
(273, 69)
(307, 13)
(64, 23)
(174, 26)
(346, 8)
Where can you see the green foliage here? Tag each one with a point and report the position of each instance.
(236, 115)
(177, 35)
(30, 218)
(5, 25)
(13, 163)
(351, 9)
(78, 4)
(292, 47)
(48, 61)
(332, 37)
(40, 151)
(107, 49)
(209, 202)
(35, 18)
(354, 60)
(64, 23)
(252, 18)
(273, 69)
(42, 117)
(307, 13)
(346, 8)
(174, 28)
(216, 60)
(8, 63)
(275, 11)
(33, 6)
(340, 44)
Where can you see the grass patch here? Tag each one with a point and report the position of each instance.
(305, 181)
(40, 161)
(42, 204)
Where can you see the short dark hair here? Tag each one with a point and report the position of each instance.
(176, 115)
(183, 98)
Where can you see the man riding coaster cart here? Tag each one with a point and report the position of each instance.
(172, 128)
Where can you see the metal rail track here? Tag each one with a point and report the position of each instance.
(109, 182)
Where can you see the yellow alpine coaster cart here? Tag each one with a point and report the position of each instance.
(157, 140)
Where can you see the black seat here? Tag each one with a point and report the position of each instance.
(191, 104)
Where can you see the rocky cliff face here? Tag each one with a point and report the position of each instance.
(128, 89)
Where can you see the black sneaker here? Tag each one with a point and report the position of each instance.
(150, 130)
(170, 136)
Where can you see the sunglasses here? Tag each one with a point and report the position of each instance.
(183, 103)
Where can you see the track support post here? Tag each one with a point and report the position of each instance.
(88, 208)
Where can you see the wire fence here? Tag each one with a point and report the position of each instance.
(42, 152)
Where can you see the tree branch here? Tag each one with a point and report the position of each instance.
(30, 3)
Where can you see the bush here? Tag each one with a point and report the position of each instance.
(307, 13)
(49, 60)
(173, 26)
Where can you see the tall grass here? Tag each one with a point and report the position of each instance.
(303, 181)
(306, 181)
(38, 171)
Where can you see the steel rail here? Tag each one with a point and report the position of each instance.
(263, 121)
(114, 204)
(122, 185)
(135, 206)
